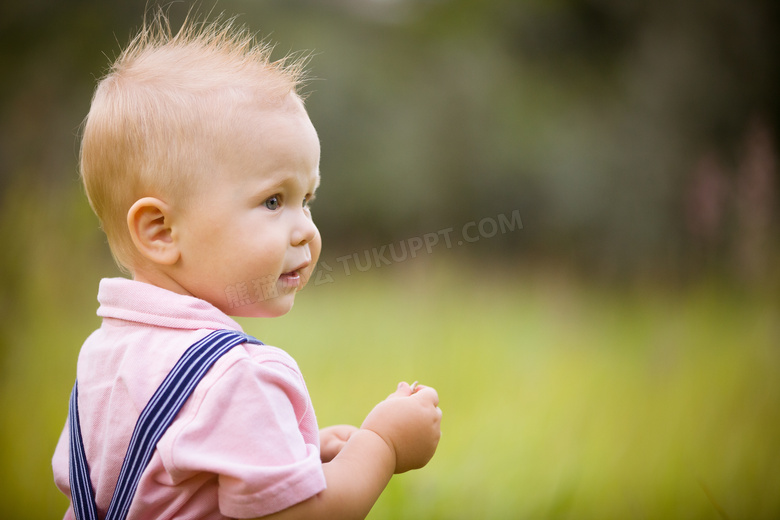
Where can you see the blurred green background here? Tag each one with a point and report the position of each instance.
(591, 189)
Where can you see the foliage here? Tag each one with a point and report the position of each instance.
(638, 141)
(560, 399)
(605, 123)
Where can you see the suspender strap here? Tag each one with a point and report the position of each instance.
(154, 420)
(80, 484)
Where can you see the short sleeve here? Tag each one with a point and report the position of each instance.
(252, 425)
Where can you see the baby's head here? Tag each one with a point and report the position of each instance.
(199, 160)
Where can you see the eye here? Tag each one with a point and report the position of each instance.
(272, 203)
(308, 200)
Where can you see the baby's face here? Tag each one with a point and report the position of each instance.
(248, 241)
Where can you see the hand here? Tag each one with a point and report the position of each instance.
(410, 423)
(333, 438)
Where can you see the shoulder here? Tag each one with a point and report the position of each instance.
(250, 379)
(253, 397)
(266, 362)
(251, 423)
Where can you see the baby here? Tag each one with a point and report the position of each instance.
(200, 161)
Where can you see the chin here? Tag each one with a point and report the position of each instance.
(273, 309)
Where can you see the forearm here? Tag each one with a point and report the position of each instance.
(355, 479)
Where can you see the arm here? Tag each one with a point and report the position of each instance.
(400, 433)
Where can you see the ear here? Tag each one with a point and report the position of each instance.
(149, 222)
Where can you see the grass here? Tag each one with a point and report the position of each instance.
(560, 399)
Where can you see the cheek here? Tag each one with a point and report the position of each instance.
(315, 247)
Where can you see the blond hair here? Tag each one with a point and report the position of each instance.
(162, 103)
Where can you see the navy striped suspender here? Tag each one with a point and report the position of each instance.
(80, 484)
(152, 423)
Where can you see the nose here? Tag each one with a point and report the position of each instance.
(304, 230)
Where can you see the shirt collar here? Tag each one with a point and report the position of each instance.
(141, 302)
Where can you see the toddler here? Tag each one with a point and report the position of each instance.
(200, 161)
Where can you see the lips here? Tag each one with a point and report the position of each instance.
(290, 280)
(293, 278)
(297, 270)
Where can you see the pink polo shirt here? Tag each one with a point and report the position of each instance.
(245, 444)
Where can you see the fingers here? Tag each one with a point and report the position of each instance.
(340, 431)
(333, 439)
(403, 390)
(426, 393)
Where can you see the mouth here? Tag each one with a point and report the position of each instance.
(290, 280)
(293, 278)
